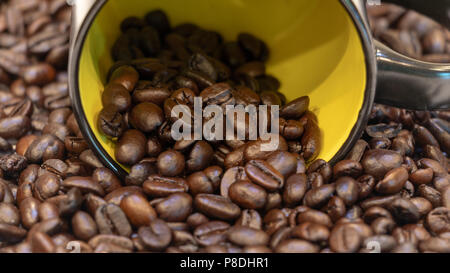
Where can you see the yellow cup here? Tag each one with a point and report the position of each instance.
(321, 48)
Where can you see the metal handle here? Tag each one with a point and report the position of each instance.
(409, 83)
(79, 11)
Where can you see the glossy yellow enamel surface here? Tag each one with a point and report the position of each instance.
(315, 51)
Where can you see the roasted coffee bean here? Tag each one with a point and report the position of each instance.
(345, 239)
(146, 117)
(140, 172)
(219, 94)
(106, 179)
(295, 189)
(84, 227)
(157, 236)
(75, 145)
(39, 74)
(200, 156)
(247, 236)
(366, 185)
(348, 189)
(171, 163)
(383, 225)
(230, 177)
(296, 246)
(404, 211)
(126, 76)
(84, 184)
(138, 210)
(45, 147)
(378, 162)
(254, 47)
(253, 149)
(112, 220)
(174, 208)
(71, 203)
(111, 122)
(263, 174)
(46, 186)
(431, 194)
(48, 210)
(29, 211)
(217, 206)
(438, 220)
(314, 216)
(311, 138)
(423, 205)
(14, 127)
(131, 147)
(248, 195)
(295, 109)
(9, 214)
(311, 232)
(347, 168)
(159, 186)
(393, 181)
(318, 197)
(211, 233)
(118, 96)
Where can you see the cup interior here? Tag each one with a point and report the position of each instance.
(316, 50)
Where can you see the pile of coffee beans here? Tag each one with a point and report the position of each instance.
(410, 33)
(159, 67)
(391, 193)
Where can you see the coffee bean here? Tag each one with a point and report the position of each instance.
(247, 236)
(295, 109)
(318, 197)
(211, 233)
(146, 117)
(11, 233)
(295, 189)
(84, 184)
(111, 122)
(158, 186)
(138, 210)
(254, 149)
(311, 232)
(140, 172)
(347, 168)
(112, 220)
(230, 177)
(264, 175)
(248, 195)
(348, 189)
(131, 147)
(378, 162)
(174, 208)
(157, 236)
(296, 246)
(39, 74)
(404, 211)
(344, 239)
(84, 227)
(393, 181)
(438, 220)
(217, 206)
(431, 194)
(171, 163)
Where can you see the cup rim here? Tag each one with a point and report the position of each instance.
(359, 21)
